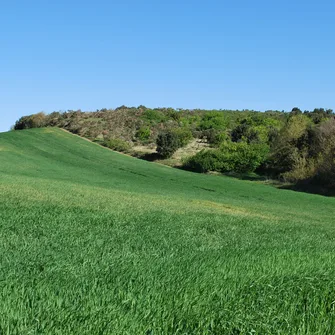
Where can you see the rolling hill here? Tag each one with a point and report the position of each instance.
(96, 242)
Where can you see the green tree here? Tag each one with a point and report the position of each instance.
(143, 134)
(213, 120)
(230, 157)
(167, 144)
(31, 121)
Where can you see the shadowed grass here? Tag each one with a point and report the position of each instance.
(94, 242)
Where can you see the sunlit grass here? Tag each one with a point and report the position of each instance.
(93, 242)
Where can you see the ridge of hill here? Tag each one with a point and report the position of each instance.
(296, 148)
(98, 242)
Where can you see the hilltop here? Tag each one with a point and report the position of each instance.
(98, 242)
(295, 148)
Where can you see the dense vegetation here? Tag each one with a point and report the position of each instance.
(94, 242)
(297, 147)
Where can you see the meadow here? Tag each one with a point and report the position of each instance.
(96, 242)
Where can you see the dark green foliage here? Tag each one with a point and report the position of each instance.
(231, 157)
(210, 135)
(323, 147)
(54, 119)
(213, 120)
(325, 172)
(173, 114)
(282, 159)
(219, 138)
(296, 111)
(245, 158)
(207, 160)
(31, 121)
(256, 129)
(319, 114)
(153, 116)
(289, 153)
(184, 136)
(143, 134)
(167, 143)
(244, 132)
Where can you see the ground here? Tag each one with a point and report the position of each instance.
(93, 241)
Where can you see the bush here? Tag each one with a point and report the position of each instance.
(231, 157)
(325, 173)
(143, 134)
(244, 157)
(325, 147)
(283, 159)
(31, 121)
(118, 145)
(153, 116)
(244, 132)
(255, 130)
(54, 119)
(167, 143)
(207, 160)
(184, 136)
(303, 169)
(213, 120)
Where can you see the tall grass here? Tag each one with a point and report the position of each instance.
(94, 242)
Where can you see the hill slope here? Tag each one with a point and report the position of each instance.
(97, 242)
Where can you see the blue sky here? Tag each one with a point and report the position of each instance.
(60, 55)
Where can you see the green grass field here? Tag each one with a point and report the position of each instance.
(95, 242)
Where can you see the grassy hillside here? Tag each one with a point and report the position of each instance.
(296, 148)
(95, 242)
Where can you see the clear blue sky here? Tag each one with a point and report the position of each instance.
(60, 55)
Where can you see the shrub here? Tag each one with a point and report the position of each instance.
(255, 130)
(54, 119)
(210, 135)
(143, 134)
(295, 127)
(244, 157)
(282, 159)
(118, 145)
(325, 173)
(31, 121)
(153, 116)
(207, 160)
(290, 148)
(303, 169)
(173, 114)
(167, 143)
(213, 137)
(325, 146)
(213, 120)
(230, 157)
(184, 136)
(244, 132)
